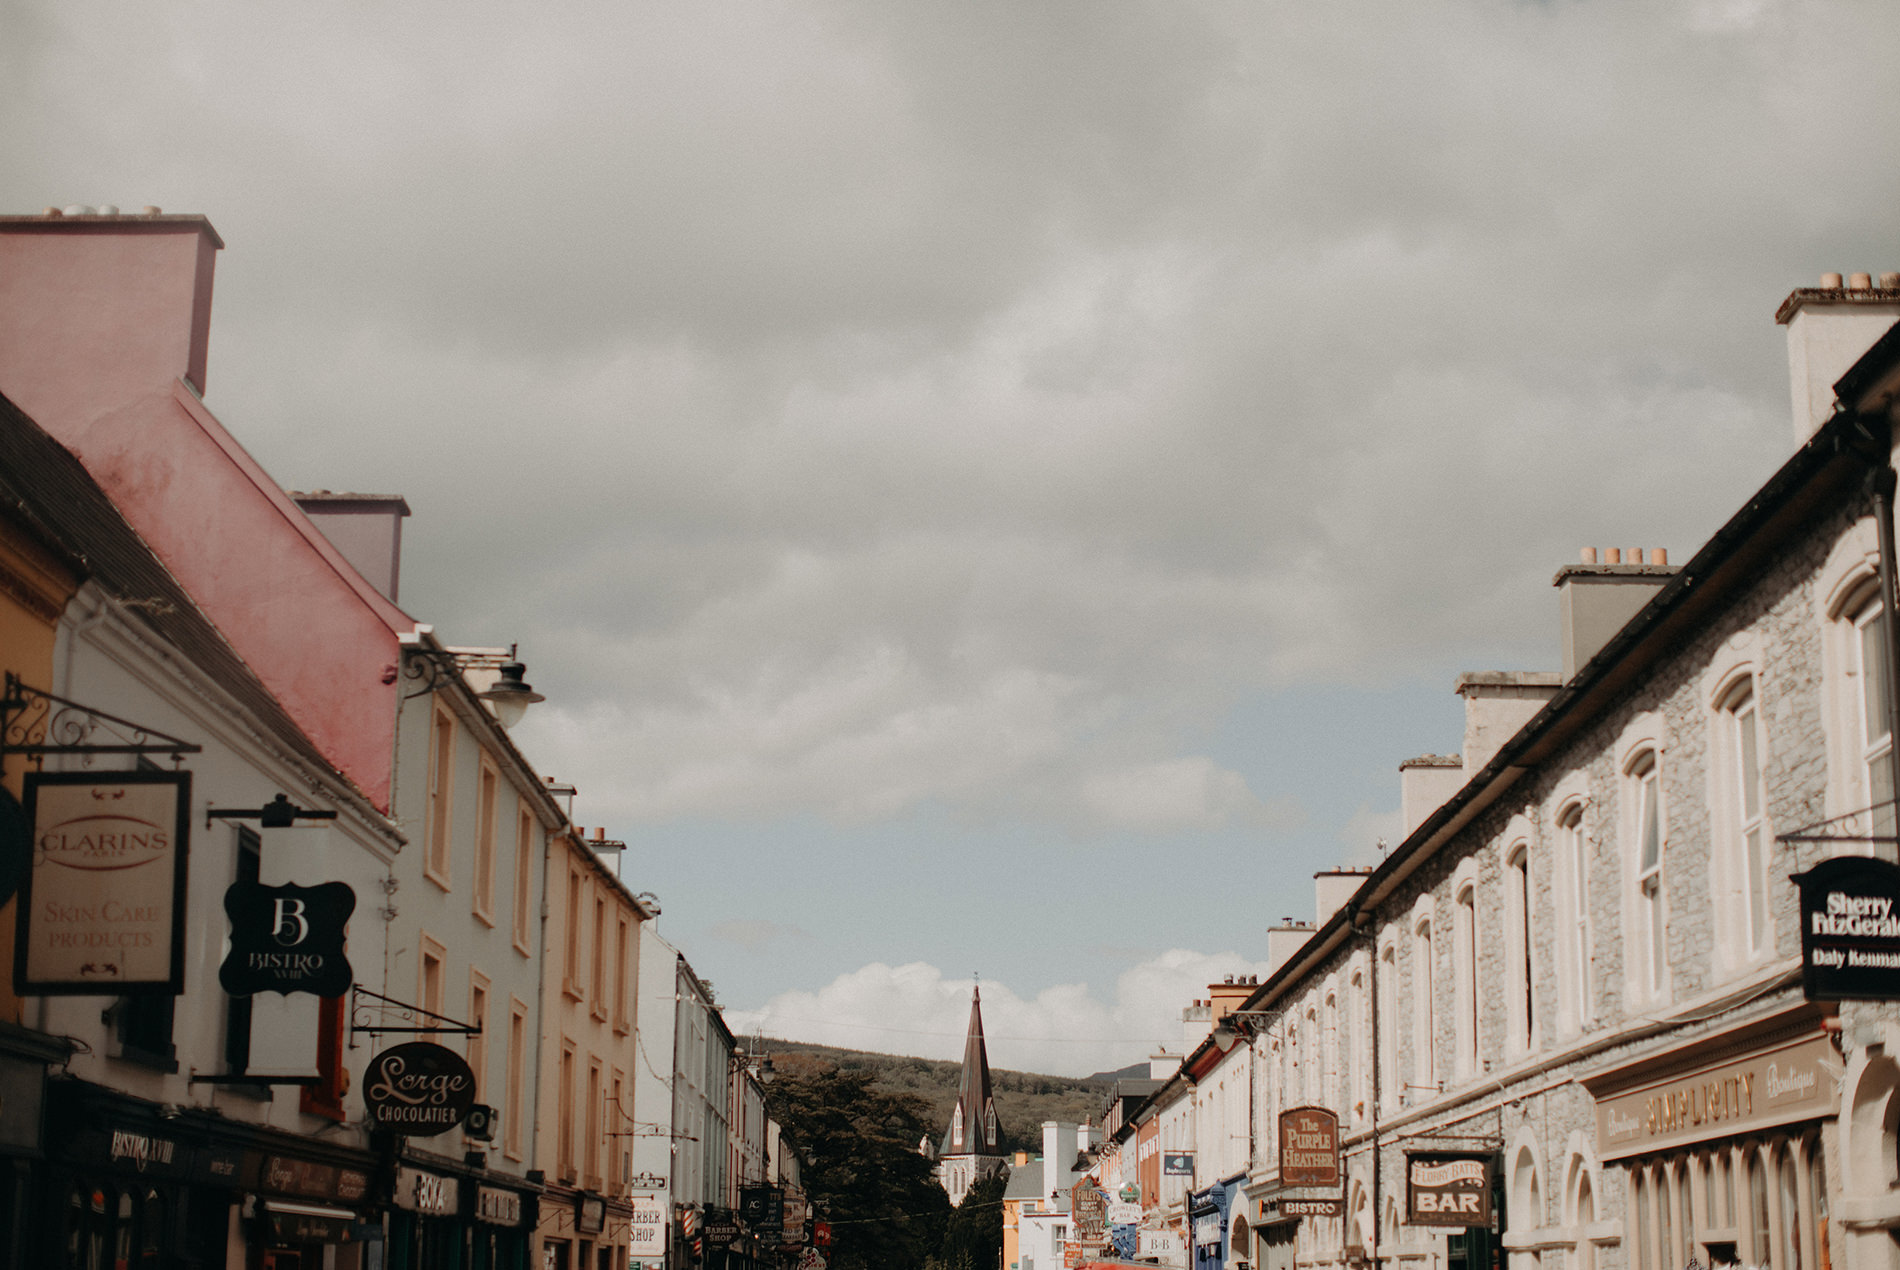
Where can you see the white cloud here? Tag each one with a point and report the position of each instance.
(1064, 1029)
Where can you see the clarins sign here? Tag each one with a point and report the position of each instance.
(104, 893)
(1796, 1081)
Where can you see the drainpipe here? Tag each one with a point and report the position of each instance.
(1372, 988)
(1881, 485)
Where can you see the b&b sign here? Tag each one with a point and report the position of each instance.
(287, 939)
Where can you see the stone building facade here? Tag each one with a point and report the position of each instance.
(1579, 975)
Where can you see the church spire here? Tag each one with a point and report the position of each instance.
(973, 1127)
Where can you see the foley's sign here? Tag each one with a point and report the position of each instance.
(1850, 929)
(287, 939)
(102, 903)
(418, 1089)
(1309, 1147)
(1447, 1188)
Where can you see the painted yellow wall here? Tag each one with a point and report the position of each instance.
(34, 590)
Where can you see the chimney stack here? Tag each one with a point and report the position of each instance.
(1595, 601)
(1829, 327)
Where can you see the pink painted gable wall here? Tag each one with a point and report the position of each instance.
(101, 318)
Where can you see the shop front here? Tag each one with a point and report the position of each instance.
(459, 1216)
(1208, 1220)
(138, 1185)
(1723, 1143)
(583, 1230)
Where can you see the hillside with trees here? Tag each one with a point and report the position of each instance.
(1023, 1099)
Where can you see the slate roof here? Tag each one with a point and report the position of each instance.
(974, 1096)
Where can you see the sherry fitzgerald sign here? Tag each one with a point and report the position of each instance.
(418, 1089)
(287, 939)
(102, 903)
(1850, 930)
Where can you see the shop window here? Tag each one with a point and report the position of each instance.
(1759, 1248)
(1667, 1176)
(1788, 1193)
(1642, 1255)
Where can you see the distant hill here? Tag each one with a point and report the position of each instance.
(1023, 1099)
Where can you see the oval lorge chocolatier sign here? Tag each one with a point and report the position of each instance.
(418, 1089)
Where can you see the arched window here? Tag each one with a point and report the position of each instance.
(1386, 1052)
(1465, 980)
(1643, 787)
(1424, 1071)
(1585, 1208)
(1642, 1253)
(1874, 733)
(1741, 721)
(1574, 848)
(1519, 944)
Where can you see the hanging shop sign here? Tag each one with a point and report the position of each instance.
(762, 1207)
(430, 1194)
(1177, 1164)
(720, 1229)
(647, 1227)
(1448, 1188)
(797, 1214)
(1787, 1083)
(1850, 930)
(590, 1214)
(1088, 1205)
(287, 939)
(1123, 1212)
(103, 899)
(1309, 1147)
(418, 1089)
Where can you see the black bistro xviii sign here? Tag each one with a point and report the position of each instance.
(1850, 929)
(287, 939)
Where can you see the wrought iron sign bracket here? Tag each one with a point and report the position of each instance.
(34, 723)
(363, 1004)
(1820, 830)
(278, 813)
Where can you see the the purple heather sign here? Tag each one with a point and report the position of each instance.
(418, 1089)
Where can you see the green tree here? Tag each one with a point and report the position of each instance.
(973, 1238)
(863, 1171)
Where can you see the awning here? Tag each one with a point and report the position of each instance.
(294, 1223)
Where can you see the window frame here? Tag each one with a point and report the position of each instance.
(487, 819)
(439, 807)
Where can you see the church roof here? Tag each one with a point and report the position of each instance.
(973, 1127)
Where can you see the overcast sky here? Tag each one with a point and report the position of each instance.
(991, 487)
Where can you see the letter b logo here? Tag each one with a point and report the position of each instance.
(289, 927)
